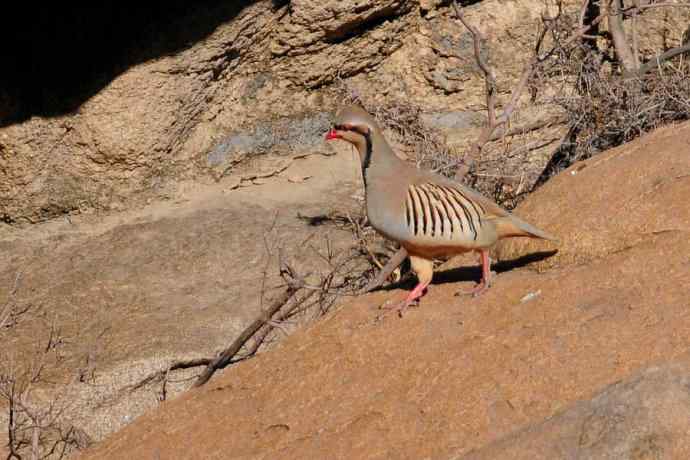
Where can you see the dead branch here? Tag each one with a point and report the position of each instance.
(10, 395)
(359, 235)
(627, 52)
(639, 7)
(159, 375)
(224, 358)
(293, 301)
(393, 263)
(529, 127)
(34, 423)
(620, 40)
(490, 84)
(532, 146)
(583, 13)
(228, 355)
(494, 122)
(8, 309)
(656, 62)
(635, 40)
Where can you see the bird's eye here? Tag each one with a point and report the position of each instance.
(355, 128)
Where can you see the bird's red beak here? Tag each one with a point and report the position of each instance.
(332, 134)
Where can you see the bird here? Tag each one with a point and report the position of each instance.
(428, 214)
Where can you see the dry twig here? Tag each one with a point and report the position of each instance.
(7, 311)
(226, 356)
(34, 423)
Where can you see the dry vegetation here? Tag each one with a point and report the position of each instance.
(302, 297)
(605, 110)
(35, 408)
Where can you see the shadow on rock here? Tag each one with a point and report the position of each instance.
(57, 57)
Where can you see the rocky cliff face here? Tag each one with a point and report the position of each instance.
(116, 114)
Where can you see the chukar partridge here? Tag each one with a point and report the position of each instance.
(428, 214)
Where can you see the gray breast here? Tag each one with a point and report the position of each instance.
(386, 213)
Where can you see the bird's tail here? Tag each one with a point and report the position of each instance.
(511, 225)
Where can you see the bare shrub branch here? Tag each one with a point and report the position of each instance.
(655, 62)
(302, 293)
(35, 423)
(495, 122)
(606, 109)
(9, 312)
(226, 356)
(621, 43)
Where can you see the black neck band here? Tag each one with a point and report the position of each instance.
(367, 155)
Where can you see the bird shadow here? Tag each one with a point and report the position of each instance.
(471, 273)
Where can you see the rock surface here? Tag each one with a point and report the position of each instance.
(177, 280)
(637, 204)
(188, 78)
(646, 416)
(532, 365)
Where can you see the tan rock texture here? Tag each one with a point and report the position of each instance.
(132, 292)
(163, 114)
(633, 183)
(567, 363)
(646, 416)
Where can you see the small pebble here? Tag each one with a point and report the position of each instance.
(530, 296)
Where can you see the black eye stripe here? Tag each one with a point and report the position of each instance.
(356, 129)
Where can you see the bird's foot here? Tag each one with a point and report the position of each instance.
(476, 291)
(411, 299)
(402, 306)
(399, 307)
(487, 274)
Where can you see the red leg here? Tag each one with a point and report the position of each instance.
(424, 268)
(485, 282)
(414, 294)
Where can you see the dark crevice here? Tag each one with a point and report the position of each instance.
(57, 56)
(350, 30)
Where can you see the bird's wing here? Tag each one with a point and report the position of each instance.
(441, 212)
(490, 208)
(506, 224)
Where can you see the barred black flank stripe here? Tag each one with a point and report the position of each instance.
(442, 213)
(437, 209)
(468, 215)
(449, 198)
(481, 207)
(474, 206)
(421, 203)
(414, 211)
(430, 210)
(442, 200)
